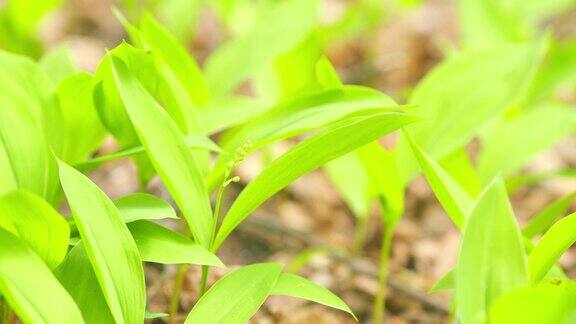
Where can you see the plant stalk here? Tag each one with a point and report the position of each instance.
(380, 301)
(4, 311)
(360, 234)
(174, 305)
(204, 279)
(175, 298)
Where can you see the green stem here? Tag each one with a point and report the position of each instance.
(360, 234)
(175, 298)
(4, 311)
(204, 279)
(380, 301)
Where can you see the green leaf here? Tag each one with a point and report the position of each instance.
(37, 224)
(221, 114)
(559, 66)
(29, 286)
(308, 155)
(29, 122)
(78, 277)
(462, 94)
(295, 286)
(272, 34)
(547, 216)
(138, 206)
(551, 246)
(446, 282)
(385, 182)
(161, 245)
(166, 148)
(58, 64)
(489, 23)
(453, 198)
(492, 260)
(549, 303)
(110, 107)
(154, 315)
(460, 167)
(511, 144)
(193, 141)
(237, 296)
(83, 132)
(349, 176)
(157, 38)
(109, 245)
(296, 116)
(24, 81)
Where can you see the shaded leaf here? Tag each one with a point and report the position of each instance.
(78, 277)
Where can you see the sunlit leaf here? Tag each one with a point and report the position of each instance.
(109, 245)
(29, 286)
(551, 246)
(140, 206)
(492, 259)
(308, 155)
(295, 286)
(37, 224)
(161, 245)
(273, 34)
(236, 297)
(167, 149)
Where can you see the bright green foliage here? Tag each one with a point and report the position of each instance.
(155, 37)
(235, 61)
(525, 136)
(350, 177)
(237, 296)
(307, 156)
(292, 285)
(161, 245)
(36, 223)
(168, 152)
(552, 302)
(193, 141)
(547, 216)
(78, 277)
(29, 286)
(140, 206)
(58, 64)
(83, 133)
(462, 94)
(299, 115)
(551, 246)
(455, 201)
(19, 21)
(29, 124)
(492, 260)
(109, 245)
